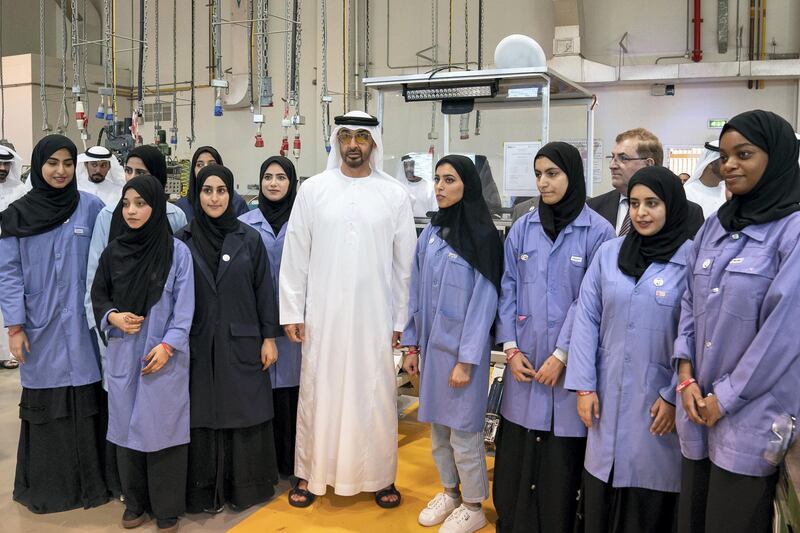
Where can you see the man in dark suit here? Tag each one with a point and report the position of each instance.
(523, 207)
(635, 149)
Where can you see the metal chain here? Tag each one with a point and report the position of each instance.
(175, 69)
(481, 14)
(262, 55)
(216, 33)
(298, 47)
(144, 57)
(466, 34)
(191, 138)
(435, 54)
(75, 52)
(85, 58)
(325, 115)
(63, 116)
(156, 63)
(366, 53)
(287, 45)
(2, 87)
(251, 30)
(106, 42)
(42, 71)
(450, 37)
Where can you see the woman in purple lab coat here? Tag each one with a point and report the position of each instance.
(738, 351)
(619, 362)
(453, 302)
(275, 201)
(143, 299)
(541, 439)
(43, 253)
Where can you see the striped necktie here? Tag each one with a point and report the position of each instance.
(626, 223)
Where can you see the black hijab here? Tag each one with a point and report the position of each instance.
(156, 165)
(43, 207)
(134, 267)
(277, 213)
(557, 216)
(637, 251)
(192, 194)
(209, 233)
(777, 193)
(467, 225)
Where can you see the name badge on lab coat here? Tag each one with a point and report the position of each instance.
(737, 260)
(576, 259)
(78, 231)
(524, 257)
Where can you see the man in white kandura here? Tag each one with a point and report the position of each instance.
(11, 188)
(344, 285)
(99, 173)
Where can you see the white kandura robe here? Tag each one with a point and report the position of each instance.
(345, 274)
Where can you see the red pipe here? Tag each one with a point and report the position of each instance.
(697, 53)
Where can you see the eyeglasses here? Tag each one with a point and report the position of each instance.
(361, 136)
(622, 158)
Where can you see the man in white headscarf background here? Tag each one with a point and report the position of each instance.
(705, 186)
(416, 177)
(99, 173)
(11, 188)
(344, 285)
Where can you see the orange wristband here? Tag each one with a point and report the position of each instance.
(584, 392)
(167, 347)
(14, 330)
(512, 355)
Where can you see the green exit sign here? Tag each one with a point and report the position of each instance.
(716, 123)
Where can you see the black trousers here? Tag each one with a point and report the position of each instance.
(536, 480)
(235, 466)
(284, 401)
(714, 500)
(60, 452)
(154, 482)
(627, 509)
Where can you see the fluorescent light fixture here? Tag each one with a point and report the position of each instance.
(436, 93)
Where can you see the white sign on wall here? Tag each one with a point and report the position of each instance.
(518, 176)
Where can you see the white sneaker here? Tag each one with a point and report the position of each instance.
(438, 509)
(464, 520)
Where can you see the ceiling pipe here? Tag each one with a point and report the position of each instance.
(697, 53)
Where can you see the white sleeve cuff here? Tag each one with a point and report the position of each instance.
(561, 355)
(509, 345)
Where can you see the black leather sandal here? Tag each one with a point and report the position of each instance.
(391, 490)
(308, 497)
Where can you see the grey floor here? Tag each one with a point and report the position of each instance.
(16, 518)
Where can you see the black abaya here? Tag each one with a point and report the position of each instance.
(532, 472)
